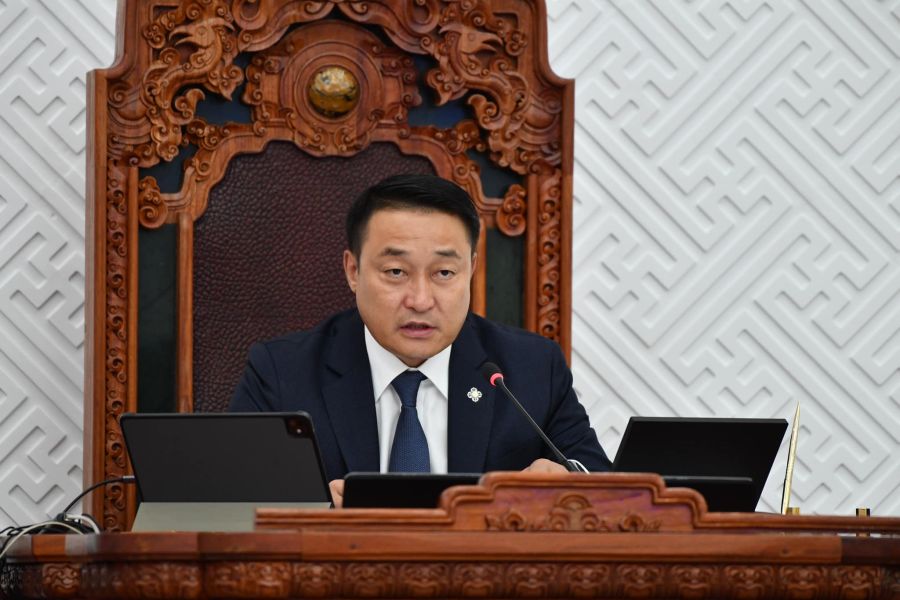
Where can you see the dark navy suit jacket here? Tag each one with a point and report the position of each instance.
(325, 372)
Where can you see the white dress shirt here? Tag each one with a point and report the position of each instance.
(431, 401)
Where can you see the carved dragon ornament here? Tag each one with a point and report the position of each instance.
(193, 51)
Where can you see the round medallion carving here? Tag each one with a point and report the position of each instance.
(333, 91)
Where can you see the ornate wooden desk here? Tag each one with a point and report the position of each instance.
(515, 535)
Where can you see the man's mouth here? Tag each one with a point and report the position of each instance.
(416, 329)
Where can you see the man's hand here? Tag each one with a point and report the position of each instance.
(541, 465)
(337, 492)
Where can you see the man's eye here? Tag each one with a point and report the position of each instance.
(445, 274)
(394, 272)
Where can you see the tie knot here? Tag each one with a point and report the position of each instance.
(407, 386)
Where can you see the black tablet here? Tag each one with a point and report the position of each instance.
(225, 457)
(400, 490)
(726, 460)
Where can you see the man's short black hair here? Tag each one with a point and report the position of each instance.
(411, 192)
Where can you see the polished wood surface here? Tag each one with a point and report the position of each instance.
(175, 58)
(514, 535)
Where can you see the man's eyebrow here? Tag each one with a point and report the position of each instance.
(450, 253)
(391, 251)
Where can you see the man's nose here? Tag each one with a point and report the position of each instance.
(419, 295)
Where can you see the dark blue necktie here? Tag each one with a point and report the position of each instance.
(409, 454)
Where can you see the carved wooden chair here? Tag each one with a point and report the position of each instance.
(226, 143)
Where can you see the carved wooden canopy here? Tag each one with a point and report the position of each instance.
(332, 78)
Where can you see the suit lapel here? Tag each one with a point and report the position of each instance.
(468, 421)
(349, 397)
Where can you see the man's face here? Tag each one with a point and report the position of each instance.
(411, 281)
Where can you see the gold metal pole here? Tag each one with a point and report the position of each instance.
(792, 455)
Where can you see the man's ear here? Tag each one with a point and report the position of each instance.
(351, 270)
(474, 264)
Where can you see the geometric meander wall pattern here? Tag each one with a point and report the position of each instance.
(737, 230)
(737, 225)
(46, 49)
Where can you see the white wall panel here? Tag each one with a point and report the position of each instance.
(737, 230)
(737, 225)
(46, 49)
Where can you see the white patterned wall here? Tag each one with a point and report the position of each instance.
(46, 49)
(737, 224)
(737, 237)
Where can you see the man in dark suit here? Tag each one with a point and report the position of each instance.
(395, 385)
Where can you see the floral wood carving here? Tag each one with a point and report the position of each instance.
(586, 580)
(423, 580)
(276, 90)
(751, 581)
(640, 581)
(153, 210)
(452, 145)
(248, 579)
(571, 512)
(141, 580)
(115, 461)
(278, 81)
(317, 580)
(208, 28)
(195, 45)
(802, 581)
(695, 581)
(370, 579)
(474, 49)
(62, 579)
(263, 22)
(511, 214)
(855, 581)
(550, 240)
(476, 580)
(427, 578)
(528, 581)
(477, 50)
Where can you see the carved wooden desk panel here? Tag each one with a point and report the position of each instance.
(516, 535)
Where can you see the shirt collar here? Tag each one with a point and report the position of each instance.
(385, 367)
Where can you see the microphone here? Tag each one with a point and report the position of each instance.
(494, 375)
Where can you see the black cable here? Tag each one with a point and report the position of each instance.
(125, 479)
(61, 524)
